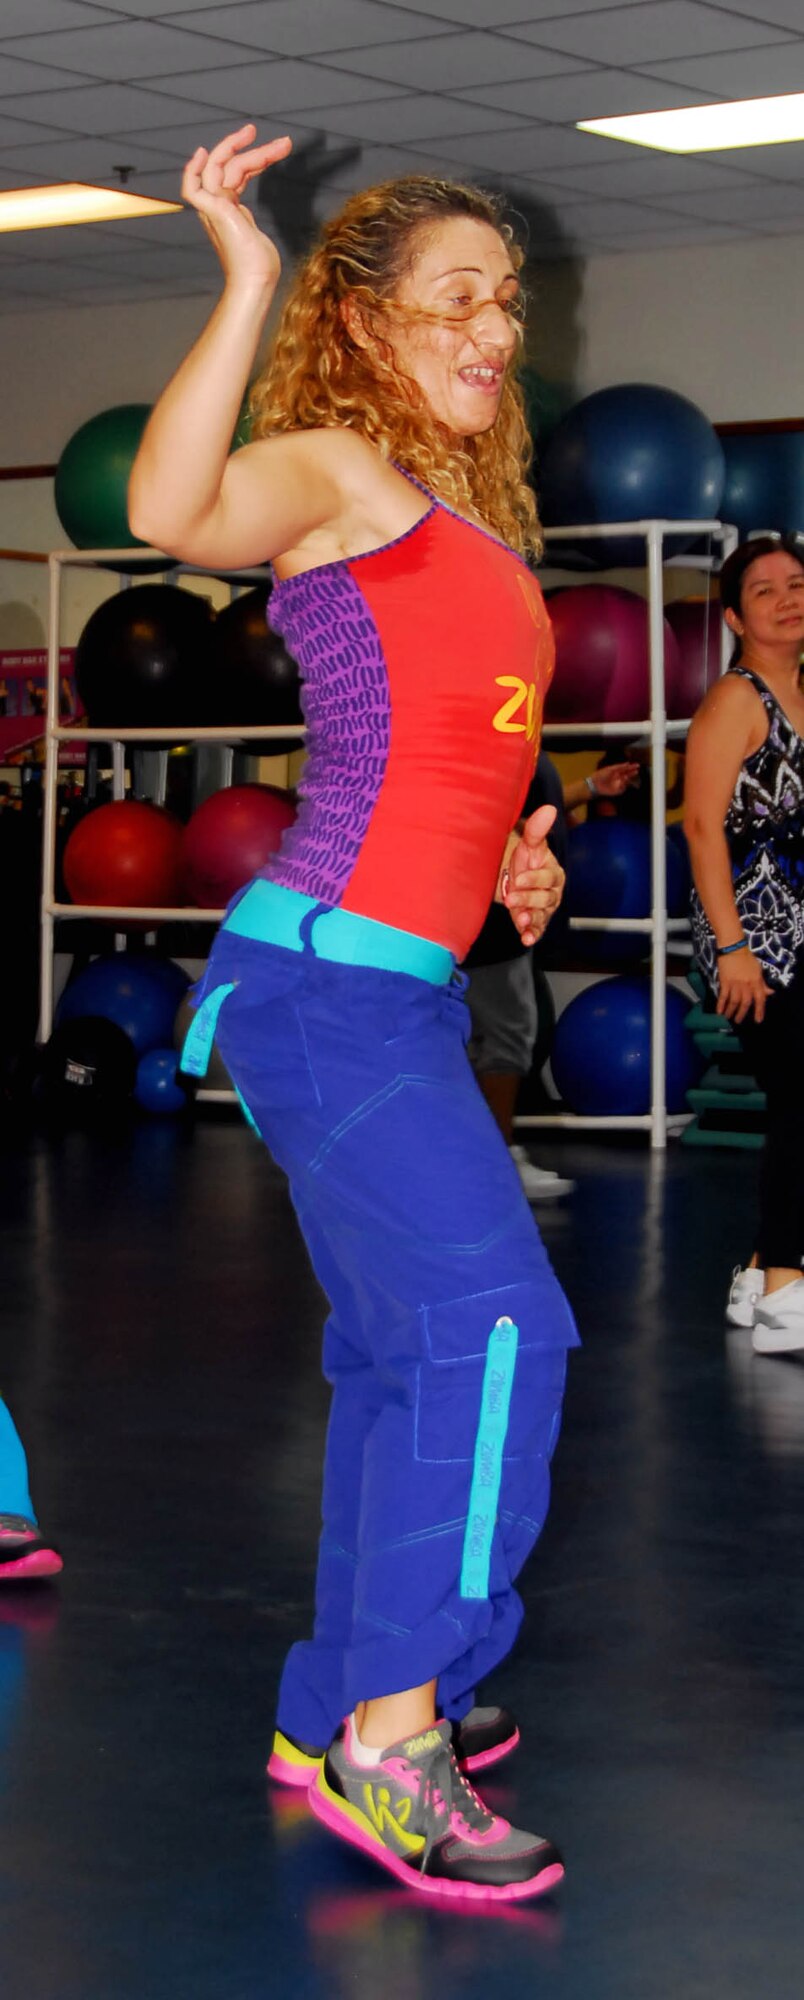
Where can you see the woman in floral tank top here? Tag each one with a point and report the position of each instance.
(745, 825)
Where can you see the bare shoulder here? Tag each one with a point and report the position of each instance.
(732, 704)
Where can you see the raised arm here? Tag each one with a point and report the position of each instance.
(186, 494)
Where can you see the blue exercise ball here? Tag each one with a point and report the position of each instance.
(764, 481)
(632, 452)
(601, 1052)
(609, 875)
(139, 992)
(158, 1088)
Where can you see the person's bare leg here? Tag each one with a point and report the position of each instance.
(779, 1275)
(501, 1089)
(391, 1716)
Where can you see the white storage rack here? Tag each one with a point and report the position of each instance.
(657, 926)
(148, 563)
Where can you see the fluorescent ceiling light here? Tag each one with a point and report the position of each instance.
(707, 128)
(73, 201)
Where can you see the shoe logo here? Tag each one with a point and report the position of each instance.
(386, 1819)
(418, 1746)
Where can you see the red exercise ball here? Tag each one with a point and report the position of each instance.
(128, 853)
(697, 626)
(229, 838)
(602, 672)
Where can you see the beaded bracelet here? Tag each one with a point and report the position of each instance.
(725, 950)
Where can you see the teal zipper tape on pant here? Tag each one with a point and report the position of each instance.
(498, 1382)
(201, 1032)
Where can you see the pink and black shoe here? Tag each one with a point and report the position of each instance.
(483, 1738)
(25, 1555)
(416, 1814)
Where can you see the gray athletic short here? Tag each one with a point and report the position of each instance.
(505, 1016)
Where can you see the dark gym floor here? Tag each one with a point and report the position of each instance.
(159, 1348)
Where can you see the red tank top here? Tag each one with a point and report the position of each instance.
(424, 666)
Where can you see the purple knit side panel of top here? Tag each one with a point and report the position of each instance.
(327, 626)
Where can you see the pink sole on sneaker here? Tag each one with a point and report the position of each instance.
(432, 1885)
(485, 1758)
(284, 1773)
(40, 1563)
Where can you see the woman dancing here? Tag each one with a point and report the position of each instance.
(387, 487)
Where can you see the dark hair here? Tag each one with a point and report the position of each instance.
(746, 553)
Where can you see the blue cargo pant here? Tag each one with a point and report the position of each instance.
(446, 1342)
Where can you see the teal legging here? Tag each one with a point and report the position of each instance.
(15, 1496)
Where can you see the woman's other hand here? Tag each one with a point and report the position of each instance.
(213, 184)
(532, 881)
(741, 987)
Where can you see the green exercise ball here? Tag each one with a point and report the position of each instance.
(92, 478)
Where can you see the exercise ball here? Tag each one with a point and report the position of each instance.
(158, 1088)
(229, 838)
(129, 989)
(89, 1067)
(92, 478)
(127, 853)
(602, 671)
(143, 658)
(609, 875)
(764, 480)
(627, 453)
(601, 1050)
(694, 664)
(217, 1076)
(253, 676)
(545, 403)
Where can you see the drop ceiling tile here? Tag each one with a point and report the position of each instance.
(741, 206)
(529, 149)
(648, 174)
(132, 50)
(769, 163)
(99, 108)
(407, 120)
(307, 27)
(21, 132)
(650, 33)
(777, 13)
(685, 237)
(43, 17)
(475, 13)
(760, 72)
(72, 158)
(44, 280)
(83, 242)
(17, 76)
(277, 88)
(450, 62)
(616, 218)
(592, 93)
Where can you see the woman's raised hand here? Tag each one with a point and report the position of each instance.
(213, 184)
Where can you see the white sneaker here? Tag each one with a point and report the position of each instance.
(539, 1183)
(779, 1321)
(745, 1292)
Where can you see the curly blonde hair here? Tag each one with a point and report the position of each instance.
(318, 375)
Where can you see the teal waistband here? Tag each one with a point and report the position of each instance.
(274, 915)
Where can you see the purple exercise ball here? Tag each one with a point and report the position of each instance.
(602, 671)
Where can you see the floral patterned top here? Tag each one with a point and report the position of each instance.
(764, 828)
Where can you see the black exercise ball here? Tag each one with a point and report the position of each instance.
(254, 678)
(89, 1069)
(143, 658)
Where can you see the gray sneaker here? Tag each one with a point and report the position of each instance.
(417, 1815)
